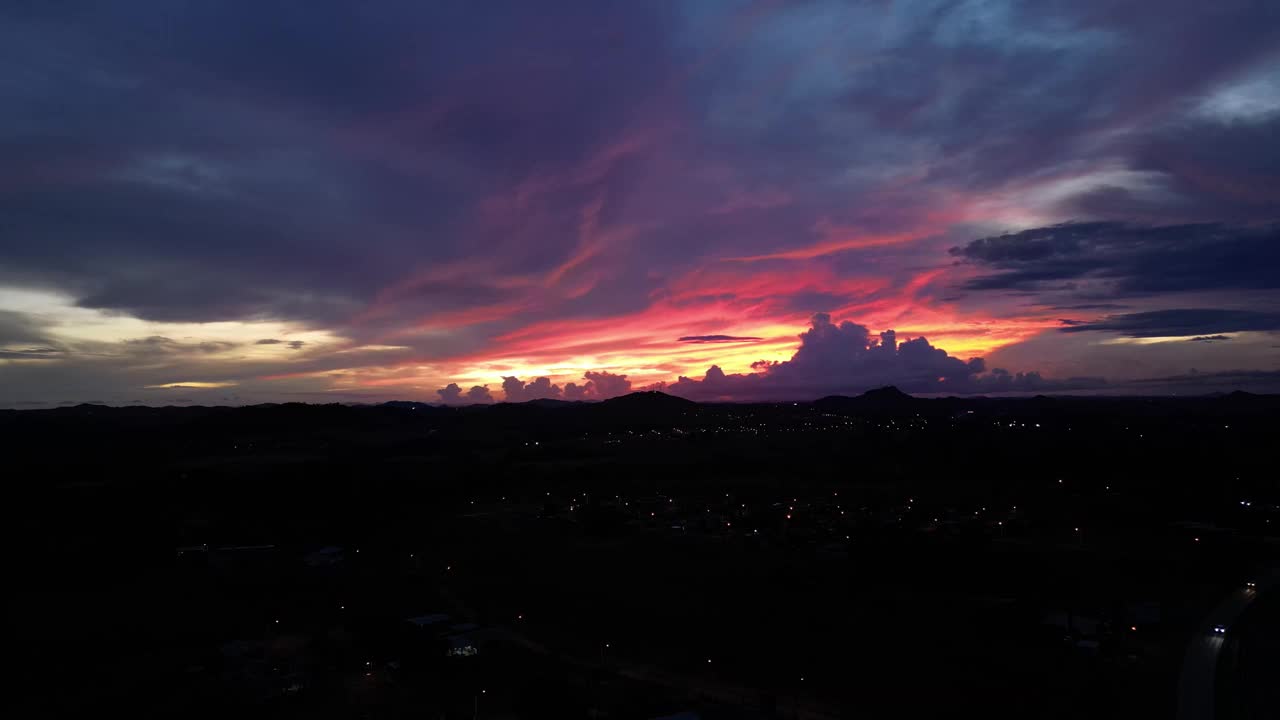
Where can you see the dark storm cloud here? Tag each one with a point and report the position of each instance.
(984, 85)
(1211, 167)
(1179, 322)
(1120, 260)
(1091, 306)
(718, 338)
(288, 162)
(202, 163)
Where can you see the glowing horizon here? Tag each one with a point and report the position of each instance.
(414, 202)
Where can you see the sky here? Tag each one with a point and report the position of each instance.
(242, 202)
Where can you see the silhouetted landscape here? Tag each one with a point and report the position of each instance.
(647, 556)
(641, 360)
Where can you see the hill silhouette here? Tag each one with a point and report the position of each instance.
(880, 399)
(648, 400)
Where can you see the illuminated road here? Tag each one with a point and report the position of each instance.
(1199, 666)
(792, 706)
(719, 692)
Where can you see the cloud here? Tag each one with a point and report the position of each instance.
(1118, 260)
(599, 385)
(514, 390)
(565, 164)
(30, 353)
(269, 341)
(847, 355)
(1091, 306)
(215, 346)
(1210, 338)
(1265, 381)
(192, 207)
(846, 358)
(155, 345)
(192, 385)
(1000, 380)
(1180, 322)
(18, 327)
(718, 339)
(450, 394)
(159, 342)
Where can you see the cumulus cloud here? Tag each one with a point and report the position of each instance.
(516, 390)
(846, 355)
(847, 358)
(598, 386)
(452, 394)
(1000, 380)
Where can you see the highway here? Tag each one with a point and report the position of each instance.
(1199, 666)
(719, 692)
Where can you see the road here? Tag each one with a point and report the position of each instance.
(738, 696)
(1199, 666)
(719, 692)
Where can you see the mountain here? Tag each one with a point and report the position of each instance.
(880, 399)
(648, 400)
(887, 395)
(550, 403)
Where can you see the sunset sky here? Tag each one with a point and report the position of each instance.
(234, 202)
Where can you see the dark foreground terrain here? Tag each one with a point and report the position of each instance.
(879, 556)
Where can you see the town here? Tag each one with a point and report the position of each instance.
(853, 556)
